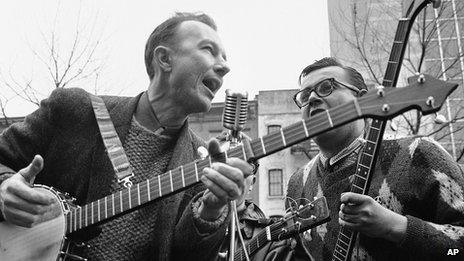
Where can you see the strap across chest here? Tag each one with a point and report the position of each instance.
(112, 143)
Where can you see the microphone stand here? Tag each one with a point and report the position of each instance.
(233, 139)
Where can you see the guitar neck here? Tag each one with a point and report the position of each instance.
(361, 182)
(366, 163)
(252, 246)
(188, 175)
(263, 237)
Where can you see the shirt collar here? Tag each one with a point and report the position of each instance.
(160, 129)
(344, 152)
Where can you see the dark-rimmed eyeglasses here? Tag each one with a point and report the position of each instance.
(322, 89)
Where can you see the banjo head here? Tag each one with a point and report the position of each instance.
(41, 242)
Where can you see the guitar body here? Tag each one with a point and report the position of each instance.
(44, 241)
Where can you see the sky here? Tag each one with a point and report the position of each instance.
(268, 42)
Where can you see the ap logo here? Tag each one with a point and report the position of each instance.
(452, 252)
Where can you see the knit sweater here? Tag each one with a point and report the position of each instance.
(129, 237)
(413, 177)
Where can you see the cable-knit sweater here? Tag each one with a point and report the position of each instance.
(414, 177)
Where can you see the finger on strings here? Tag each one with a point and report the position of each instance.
(232, 173)
(215, 189)
(223, 182)
(350, 208)
(348, 217)
(347, 224)
(244, 166)
(352, 198)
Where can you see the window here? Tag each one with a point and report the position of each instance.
(276, 182)
(273, 128)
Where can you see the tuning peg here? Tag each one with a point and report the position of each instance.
(385, 107)
(380, 90)
(439, 119)
(421, 78)
(430, 101)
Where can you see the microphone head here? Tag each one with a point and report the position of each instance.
(235, 110)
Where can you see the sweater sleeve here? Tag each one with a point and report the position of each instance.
(438, 225)
(20, 142)
(195, 238)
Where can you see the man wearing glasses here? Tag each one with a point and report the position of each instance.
(415, 206)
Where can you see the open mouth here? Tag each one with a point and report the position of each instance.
(316, 111)
(212, 84)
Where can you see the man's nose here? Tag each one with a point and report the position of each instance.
(314, 100)
(221, 68)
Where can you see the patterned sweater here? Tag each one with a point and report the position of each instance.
(414, 177)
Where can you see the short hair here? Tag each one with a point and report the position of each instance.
(355, 77)
(164, 34)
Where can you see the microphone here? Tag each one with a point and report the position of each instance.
(234, 118)
(235, 114)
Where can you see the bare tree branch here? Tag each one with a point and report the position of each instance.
(64, 64)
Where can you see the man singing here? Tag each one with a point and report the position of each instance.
(60, 145)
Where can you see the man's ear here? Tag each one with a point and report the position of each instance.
(162, 56)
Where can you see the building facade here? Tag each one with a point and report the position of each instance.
(276, 110)
(445, 59)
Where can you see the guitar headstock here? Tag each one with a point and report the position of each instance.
(411, 8)
(425, 93)
(308, 216)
